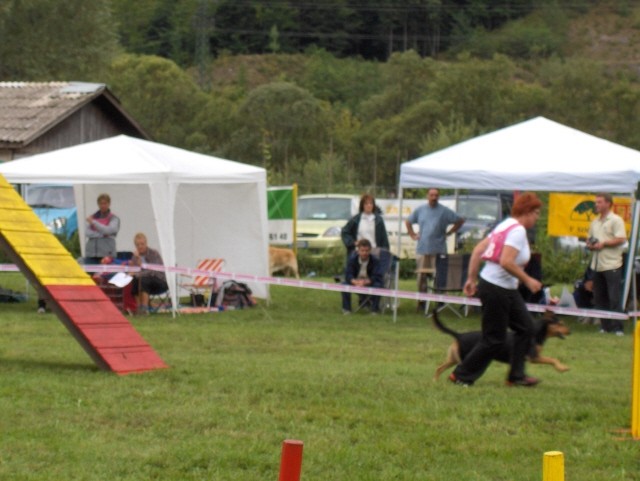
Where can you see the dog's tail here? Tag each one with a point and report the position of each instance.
(442, 327)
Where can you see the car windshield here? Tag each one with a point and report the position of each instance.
(58, 197)
(324, 209)
(485, 210)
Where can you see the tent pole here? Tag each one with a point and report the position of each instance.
(631, 253)
(399, 247)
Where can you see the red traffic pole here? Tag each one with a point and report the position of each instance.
(291, 461)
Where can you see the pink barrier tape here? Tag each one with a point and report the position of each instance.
(86, 267)
(8, 268)
(417, 296)
(337, 287)
(109, 268)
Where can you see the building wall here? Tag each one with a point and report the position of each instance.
(85, 125)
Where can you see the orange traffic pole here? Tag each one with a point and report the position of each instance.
(291, 461)
(553, 466)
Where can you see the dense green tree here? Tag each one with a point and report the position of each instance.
(179, 29)
(341, 81)
(281, 124)
(406, 77)
(623, 111)
(446, 134)
(473, 89)
(165, 28)
(577, 90)
(160, 95)
(53, 40)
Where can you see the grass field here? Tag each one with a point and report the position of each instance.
(357, 390)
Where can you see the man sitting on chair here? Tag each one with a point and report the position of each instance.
(146, 281)
(363, 270)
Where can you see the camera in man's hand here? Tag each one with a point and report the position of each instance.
(592, 241)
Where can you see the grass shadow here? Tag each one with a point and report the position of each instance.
(31, 364)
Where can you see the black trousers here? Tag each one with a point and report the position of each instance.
(607, 294)
(149, 284)
(501, 309)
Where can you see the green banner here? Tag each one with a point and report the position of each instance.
(281, 202)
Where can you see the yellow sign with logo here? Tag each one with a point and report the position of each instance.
(571, 214)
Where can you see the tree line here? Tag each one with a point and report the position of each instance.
(372, 29)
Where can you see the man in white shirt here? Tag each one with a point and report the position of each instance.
(607, 237)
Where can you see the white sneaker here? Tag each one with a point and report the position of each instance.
(619, 333)
(346, 312)
(41, 310)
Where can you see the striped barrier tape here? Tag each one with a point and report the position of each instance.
(338, 287)
(417, 296)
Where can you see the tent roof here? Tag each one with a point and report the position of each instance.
(127, 160)
(537, 154)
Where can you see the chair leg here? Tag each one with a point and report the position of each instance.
(158, 301)
(442, 306)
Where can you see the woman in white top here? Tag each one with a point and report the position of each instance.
(367, 224)
(502, 304)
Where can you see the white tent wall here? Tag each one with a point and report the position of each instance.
(189, 205)
(223, 222)
(536, 155)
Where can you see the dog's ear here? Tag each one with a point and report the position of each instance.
(550, 317)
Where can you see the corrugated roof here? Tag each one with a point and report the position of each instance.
(27, 109)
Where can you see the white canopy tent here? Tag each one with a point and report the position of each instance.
(190, 206)
(536, 155)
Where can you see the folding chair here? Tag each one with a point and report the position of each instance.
(160, 301)
(203, 283)
(388, 266)
(425, 270)
(450, 276)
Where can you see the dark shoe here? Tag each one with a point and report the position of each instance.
(526, 381)
(458, 382)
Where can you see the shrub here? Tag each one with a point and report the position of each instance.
(561, 266)
(328, 264)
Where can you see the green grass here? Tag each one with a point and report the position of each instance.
(357, 390)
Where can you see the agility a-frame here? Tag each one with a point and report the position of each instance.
(104, 333)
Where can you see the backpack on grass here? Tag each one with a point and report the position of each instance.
(234, 294)
(9, 296)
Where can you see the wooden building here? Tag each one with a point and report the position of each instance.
(37, 117)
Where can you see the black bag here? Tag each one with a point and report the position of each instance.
(197, 300)
(234, 294)
(9, 296)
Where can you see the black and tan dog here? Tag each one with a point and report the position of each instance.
(544, 328)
